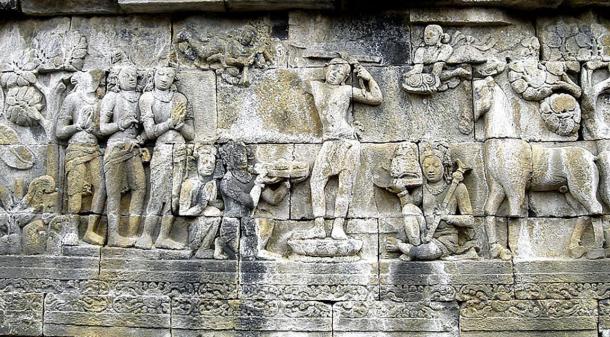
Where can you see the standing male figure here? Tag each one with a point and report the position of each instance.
(340, 152)
(120, 119)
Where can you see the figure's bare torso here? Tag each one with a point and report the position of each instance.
(332, 103)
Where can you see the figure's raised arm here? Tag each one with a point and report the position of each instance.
(370, 93)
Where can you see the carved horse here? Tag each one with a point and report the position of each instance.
(513, 166)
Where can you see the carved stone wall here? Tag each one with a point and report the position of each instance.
(305, 170)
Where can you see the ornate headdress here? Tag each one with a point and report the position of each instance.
(439, 150)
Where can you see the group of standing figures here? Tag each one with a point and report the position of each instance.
(123, 111)
(438, 219)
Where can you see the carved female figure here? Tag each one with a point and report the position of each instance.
(84, 174)
(435, 232)
(120, 119)
(164, 115)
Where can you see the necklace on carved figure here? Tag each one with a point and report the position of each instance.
(436, 189)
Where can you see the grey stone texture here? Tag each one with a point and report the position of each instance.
(9, 5)
(216, 168)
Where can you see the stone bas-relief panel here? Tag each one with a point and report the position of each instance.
(305, 174)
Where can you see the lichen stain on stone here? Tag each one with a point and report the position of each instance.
(284, 105)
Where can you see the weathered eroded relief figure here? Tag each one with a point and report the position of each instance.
(436, 52)
(443, 62)
(165, 118)
(242, 188)
(548, 83)
(433, 231)
(233, 53)
(78, 122)
(123, 169)
(24, 221)
(340, 153)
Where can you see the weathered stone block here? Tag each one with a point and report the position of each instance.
(582, 333)
(572, 38)
(533, 316)
(21, 164)
(410, 117)
(315, 39)
(277, 315)
(145, 41)
(164, 6)
(604, 315)
(263, 5)
(49, 267)
(541, 238)
(274, 109)
(249, 315)
(233, 333)
(214, 279)
(21, 314)
(126, 311)
(199, 87)
(462, 16)
(433, 318)
(440, 280)
(308, 281)
(471, 154)
(561, 290)
(79, 330)
(69, 7)
(192, 313)
(561, 271)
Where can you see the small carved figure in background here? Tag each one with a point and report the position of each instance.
(435, 51)
(233, 53)
(165, 117)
